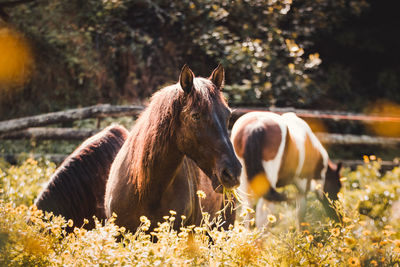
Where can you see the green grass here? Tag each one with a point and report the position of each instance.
(369, 235)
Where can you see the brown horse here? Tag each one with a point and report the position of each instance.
(278, 150)
(76, 190)
(179, 145)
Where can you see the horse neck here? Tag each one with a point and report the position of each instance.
(161, 161)
(163, 170)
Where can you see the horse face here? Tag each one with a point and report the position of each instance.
(332, 180)
(203, 134)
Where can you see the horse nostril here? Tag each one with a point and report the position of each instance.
(226, 174)
(228, 178)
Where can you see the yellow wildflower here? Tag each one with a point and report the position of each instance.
(353, 261)
(243, 213)
(345, 250)
(388, 232)
(350, 241)
(310, 238)
(201, 194)
(373, 263)
(366, 232)
(271, 218)
(362, 223)
(335, 231)
(306, 232)
(346, 219)
(384, 242)
(172, 212)
(250, 210)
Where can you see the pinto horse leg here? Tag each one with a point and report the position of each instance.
(302, 203)
(301, 206)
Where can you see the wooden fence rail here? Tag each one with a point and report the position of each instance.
(81, 134)
(27, 128)
(350, 139)
(324, 115)
(97, 111)
(43, 133)
(105, 110)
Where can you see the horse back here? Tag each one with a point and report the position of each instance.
(76, 190)
(311, 155)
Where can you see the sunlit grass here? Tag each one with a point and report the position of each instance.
(369, 235)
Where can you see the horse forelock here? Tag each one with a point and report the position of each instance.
(203, 95)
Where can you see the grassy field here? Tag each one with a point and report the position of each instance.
(369, 235)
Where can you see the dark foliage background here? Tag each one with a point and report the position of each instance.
(315, 54)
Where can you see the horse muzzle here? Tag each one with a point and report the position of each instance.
(229, 176)
(228, 179)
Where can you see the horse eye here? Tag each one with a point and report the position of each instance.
(196, 116)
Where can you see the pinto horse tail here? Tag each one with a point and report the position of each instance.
(76, 190)
(256, 174)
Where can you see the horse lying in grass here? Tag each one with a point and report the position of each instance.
(76, 190)
(278, 150)
(179, 145)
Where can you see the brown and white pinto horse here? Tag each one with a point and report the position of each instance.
(278, 150)
(76, 190)
(179, 145)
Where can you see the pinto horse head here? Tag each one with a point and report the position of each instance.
(202, 133)
(332, 183)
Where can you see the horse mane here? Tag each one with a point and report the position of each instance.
(76, 190)
(155, 127)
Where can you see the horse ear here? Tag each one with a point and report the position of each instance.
(186, 79)
(218, 76)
